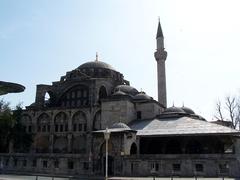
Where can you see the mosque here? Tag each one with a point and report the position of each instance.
(69, 117)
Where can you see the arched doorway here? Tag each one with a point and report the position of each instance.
(110, 165)
(102, 92)
(133, 149)
(110, 159)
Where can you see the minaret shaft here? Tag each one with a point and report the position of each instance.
(162, 90)
(161, 56)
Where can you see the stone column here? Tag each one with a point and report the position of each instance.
(138, 145)
(10, 147)
(51, 140)
(69, 137)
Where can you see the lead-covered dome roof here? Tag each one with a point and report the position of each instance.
(120, 125)
(96, 64)
(126, 89)
(173, 109)
(187, 110)
(119, 93)
(142, 96)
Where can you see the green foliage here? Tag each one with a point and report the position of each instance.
(11, 129)
(6, 124)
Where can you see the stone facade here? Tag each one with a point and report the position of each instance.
(68, 119)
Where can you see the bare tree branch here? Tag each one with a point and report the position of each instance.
(219, 115)
(231, 107)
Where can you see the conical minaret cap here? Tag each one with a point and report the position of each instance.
(159, 31)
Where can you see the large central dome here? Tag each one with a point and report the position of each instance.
(96, 64)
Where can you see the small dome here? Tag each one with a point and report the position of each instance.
(120, 125)
(173, 110)
(126, 89)
(119, 93)
(96, 64)
(187, 110)
(142, 96)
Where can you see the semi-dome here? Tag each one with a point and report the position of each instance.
(142, 96)
(187, 110)
(126, 89)
(173, 109)
(96, 64)
(120, 125)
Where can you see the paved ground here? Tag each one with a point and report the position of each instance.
(169, 178)
(21, 177)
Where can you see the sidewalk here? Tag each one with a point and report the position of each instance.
(169, 178)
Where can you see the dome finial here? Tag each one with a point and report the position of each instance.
(173, 104)
(96, 56)
(183, 104)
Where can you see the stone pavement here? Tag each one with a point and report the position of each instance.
(169, 178)
(26, 177)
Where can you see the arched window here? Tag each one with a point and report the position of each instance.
(46, 97)
(60, 145)
(43, 123)
(133, 149)
(60, 122)
(97, 121)
(79, 122)
(110, 148)
(26, 121)
(75, 97)
(41, 144)
(79, 144)
(102, 92)
(49, 99)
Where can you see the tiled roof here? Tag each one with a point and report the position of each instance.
(179, 126)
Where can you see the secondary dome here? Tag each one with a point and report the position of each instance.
(120, 125)
(142, 96)
(96, 64)
(119, 93)
(173, 110)
(126, 89)
(188, 110)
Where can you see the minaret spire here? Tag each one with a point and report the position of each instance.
(161, 56)
(159, 30)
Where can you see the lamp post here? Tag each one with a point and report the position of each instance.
(106, 137)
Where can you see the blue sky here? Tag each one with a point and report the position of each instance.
(41, 40)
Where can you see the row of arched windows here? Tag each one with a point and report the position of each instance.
(79, 122)
(75, 97)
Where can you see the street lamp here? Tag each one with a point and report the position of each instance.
(106, 137)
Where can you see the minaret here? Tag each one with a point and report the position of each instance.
(161, 56)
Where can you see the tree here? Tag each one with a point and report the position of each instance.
(11, 129)
(6, 124)
(230, 111)
(21, 140)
